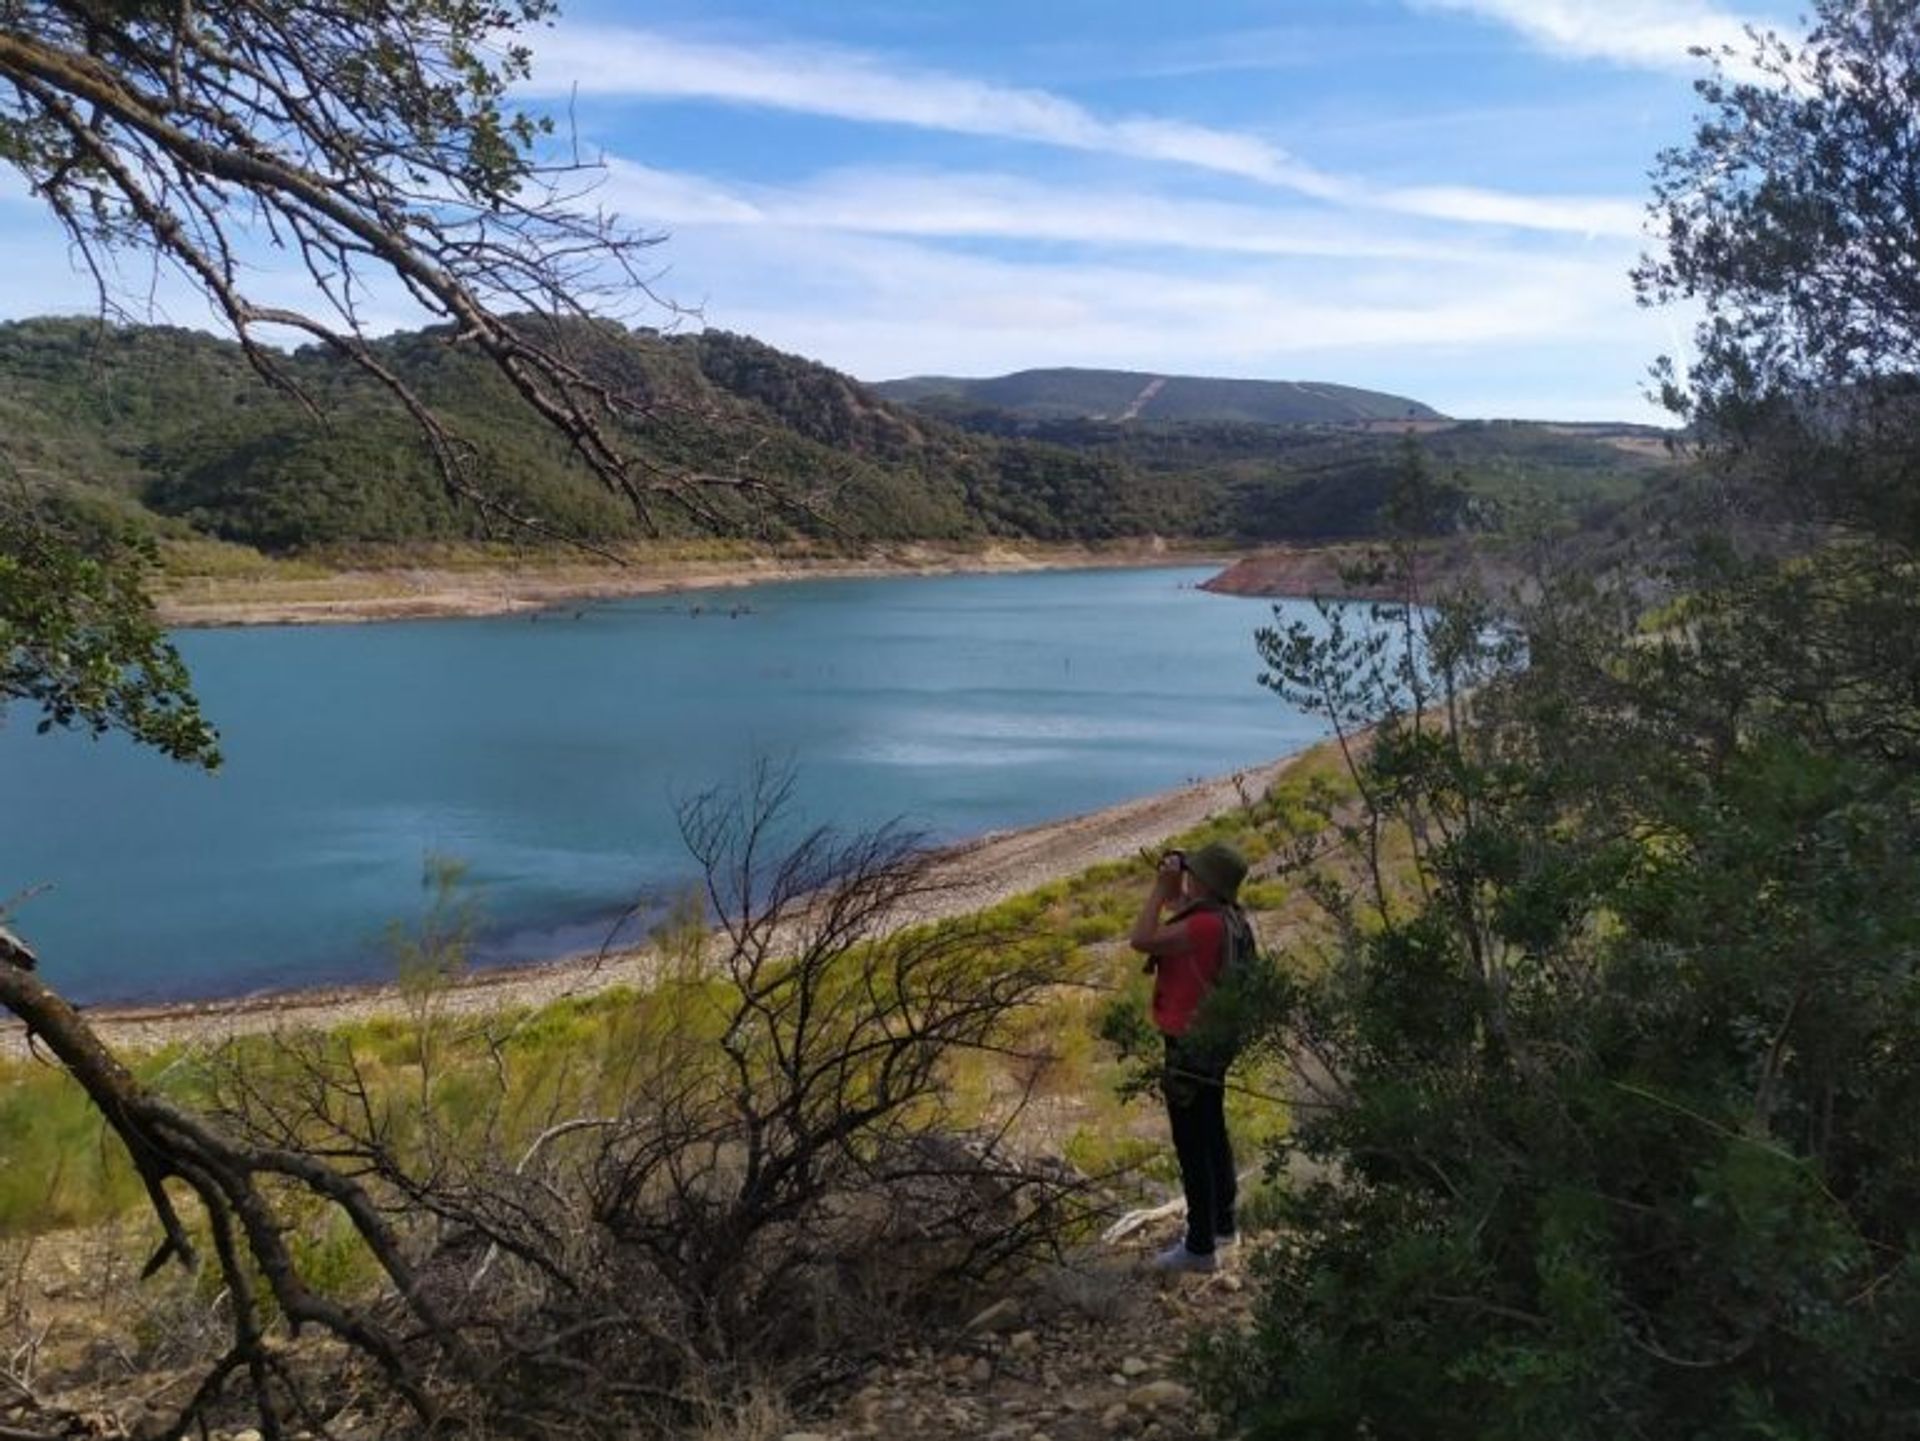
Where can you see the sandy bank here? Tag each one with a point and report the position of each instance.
(970, 877)
(416, 592)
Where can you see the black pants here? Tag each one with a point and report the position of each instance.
(1197, 1112)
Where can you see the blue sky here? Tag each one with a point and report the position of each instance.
(1440, 198)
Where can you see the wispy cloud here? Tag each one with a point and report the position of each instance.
(1087, 309)
(1492, 207)
(965, 205)
(853, 86)
(1655, 34)
(596, 60)
(1464, 334)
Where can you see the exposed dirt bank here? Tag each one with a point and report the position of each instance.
(413, 592)
(1322, 571)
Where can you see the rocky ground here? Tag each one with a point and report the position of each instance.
(1079, 1354)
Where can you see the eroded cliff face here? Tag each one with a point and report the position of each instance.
(1352, 571)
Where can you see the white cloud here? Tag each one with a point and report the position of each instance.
(1656, 34)
(814, 80)
(852, 86)
(1462, 335)
(1486, 207)
(1005, 207)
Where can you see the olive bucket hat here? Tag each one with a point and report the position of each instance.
(1218, 867)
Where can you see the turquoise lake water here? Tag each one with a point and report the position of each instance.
(548, 754)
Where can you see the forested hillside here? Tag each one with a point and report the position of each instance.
(175, 424)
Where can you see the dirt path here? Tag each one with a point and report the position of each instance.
(967, 878)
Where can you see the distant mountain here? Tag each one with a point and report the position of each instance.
(1139, 395)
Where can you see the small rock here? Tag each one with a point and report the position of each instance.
(1155, 1394)
(1022, 1342)
(1231, 1282)
(250, 1434)
(1002, 1315)
(1116, 1378)
(806, 1436)
(1116, 1417)
(1134, 1366)
(981, 1371)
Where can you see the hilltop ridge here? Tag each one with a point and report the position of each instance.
(1123, 395)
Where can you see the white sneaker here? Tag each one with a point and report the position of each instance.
(1178, 1258)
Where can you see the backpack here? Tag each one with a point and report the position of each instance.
(1221, 1025)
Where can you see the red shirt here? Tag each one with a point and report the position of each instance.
(1182, 980)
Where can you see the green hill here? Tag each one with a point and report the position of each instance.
(173, 427)
(1139, 395)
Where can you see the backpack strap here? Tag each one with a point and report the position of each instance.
(1238, 937)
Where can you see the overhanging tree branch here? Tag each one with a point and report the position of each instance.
(371, 143)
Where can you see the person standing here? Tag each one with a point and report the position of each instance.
(1183, 930)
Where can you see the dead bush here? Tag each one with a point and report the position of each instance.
(776, 1175)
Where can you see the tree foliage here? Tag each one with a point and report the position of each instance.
(1618, 1033)
(1791, 219)
(78, 639)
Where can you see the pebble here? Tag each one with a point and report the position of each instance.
(1134, 1366)
(806, 1436)
(1156, 1394)
(981, 1372)
(1022, 1342)
(1116, 1417)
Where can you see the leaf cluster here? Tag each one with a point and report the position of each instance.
(78, 637)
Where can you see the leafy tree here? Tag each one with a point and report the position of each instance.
(1791, 218)
(78, 638)
(1615, 1045)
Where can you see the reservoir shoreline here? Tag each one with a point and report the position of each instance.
(968, 877)
(417, 592)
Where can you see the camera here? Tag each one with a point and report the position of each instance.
(1179, 858)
